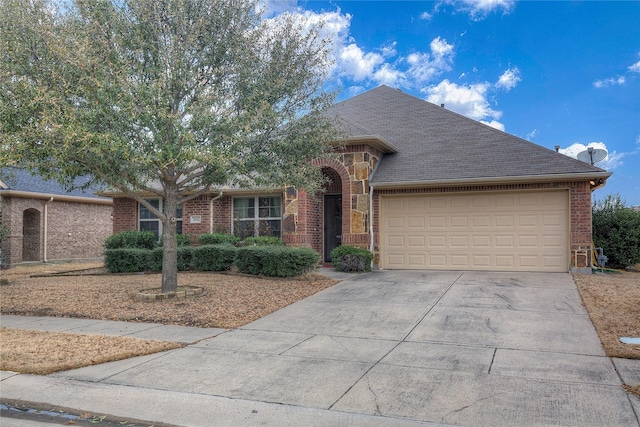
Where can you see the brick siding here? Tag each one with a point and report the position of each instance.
(75, 230)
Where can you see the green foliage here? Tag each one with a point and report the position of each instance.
(154, 260)
(183, 240)
(217, 239)
(351, 258)
(131, 239)
(126, 260)
(276, 261)
(616, 229)
(185, 257)
(214, 257)
(262, 241)
(132, 260)
(104, 88)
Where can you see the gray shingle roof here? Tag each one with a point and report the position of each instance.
(21, 180)
(436, 144)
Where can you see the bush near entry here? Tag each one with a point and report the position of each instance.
(616, 229)
(351, 258)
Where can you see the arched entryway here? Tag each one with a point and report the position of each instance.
(332, 212)
(31, 235)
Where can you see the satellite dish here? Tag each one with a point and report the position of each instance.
(592, 155)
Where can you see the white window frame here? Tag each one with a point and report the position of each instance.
(256, 213)
(152, 218)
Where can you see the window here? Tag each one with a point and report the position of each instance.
(148, 221)
(257, 216)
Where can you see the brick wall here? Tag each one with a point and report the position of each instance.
(125, 215)
(196, 209)
(75, 230)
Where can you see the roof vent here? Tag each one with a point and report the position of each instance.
(442, 105)
(557, 147)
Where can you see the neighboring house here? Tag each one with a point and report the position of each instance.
(423, 188)
(48, 223)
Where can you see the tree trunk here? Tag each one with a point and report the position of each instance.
(170, 243)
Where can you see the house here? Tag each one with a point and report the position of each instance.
(423, 188)
(47, 222)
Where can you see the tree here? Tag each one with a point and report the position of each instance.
(166, 97)
(616, 229)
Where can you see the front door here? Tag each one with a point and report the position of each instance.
(332, 224)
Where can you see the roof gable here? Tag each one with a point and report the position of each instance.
(437, 145)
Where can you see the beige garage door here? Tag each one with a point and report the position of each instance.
(517, 231)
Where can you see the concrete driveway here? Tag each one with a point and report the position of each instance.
(384, 348)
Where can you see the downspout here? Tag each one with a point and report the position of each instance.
(211, 211)
(371, 237)
(44, 239)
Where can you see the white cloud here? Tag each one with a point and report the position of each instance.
(509, 79)
(531, 135)
(599, 84)
(426, 16)
(635, 67)
(494, 124)
(388, 75)
(612, 161)
(423, 67)
(470, 101)
(479, 9)
(353, 62)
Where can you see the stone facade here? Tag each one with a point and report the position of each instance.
(50, 230)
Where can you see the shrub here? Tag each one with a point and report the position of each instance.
(185, 257)
(217, 239)
(183, 240)
(127, 260)
(276, 261)
(262, 241)
(131, 239)
(249, 259)
(154, 260)
(214, 257)
(351, 258)
(616, 229)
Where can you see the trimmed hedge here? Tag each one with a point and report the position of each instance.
(126, 260)
(351, 258)
(131, 239)
(262, 241)
(217, 239)
(276, 261)
(214, 257)
(134, 260)
(266, 256)
(183, 240)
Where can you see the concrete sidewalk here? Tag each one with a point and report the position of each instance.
(384, 348)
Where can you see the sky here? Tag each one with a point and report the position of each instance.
(561, 73)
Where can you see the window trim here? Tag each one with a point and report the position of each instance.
(256, 214)
(179, 219)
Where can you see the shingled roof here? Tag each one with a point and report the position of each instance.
(436, 145)
(19, 180)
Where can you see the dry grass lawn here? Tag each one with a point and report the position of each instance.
(231, 301)
(613, 303)
(42, 353)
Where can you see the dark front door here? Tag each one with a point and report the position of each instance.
(332, 224)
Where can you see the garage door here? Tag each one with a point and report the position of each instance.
(518, 231)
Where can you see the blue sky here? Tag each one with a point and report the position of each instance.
(561, 73)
